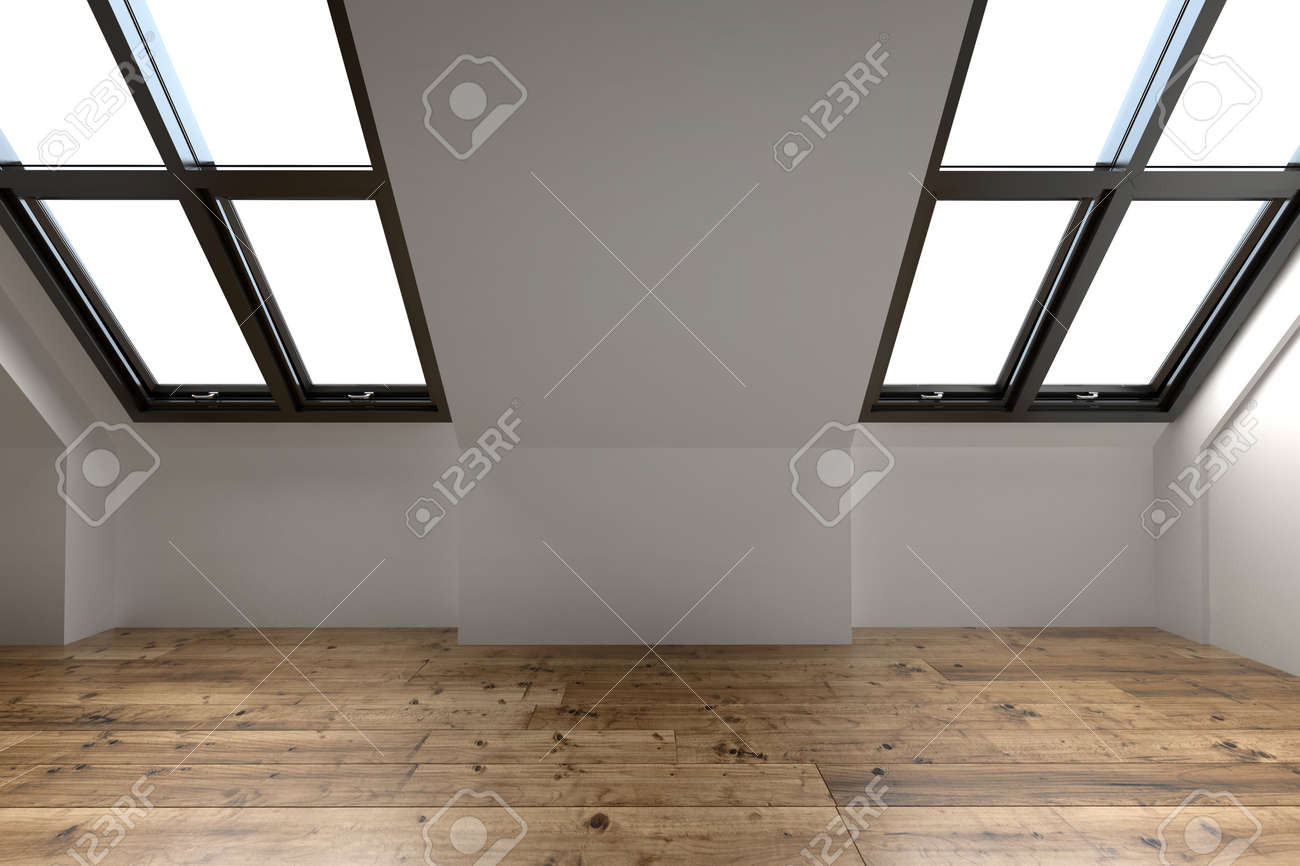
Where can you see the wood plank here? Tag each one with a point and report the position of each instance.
(611, 836)
(914, 835)
(338, 746)
(1100, 784)
(533, 784)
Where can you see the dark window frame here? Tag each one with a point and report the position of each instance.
(206, 194)
(1103, 193)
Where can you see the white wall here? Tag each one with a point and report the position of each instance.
(287, 519)
(1014, 524)
(651, 530)
(1193, 576)
(31, 524)
(1253, 545)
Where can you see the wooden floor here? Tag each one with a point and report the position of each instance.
(381, 746)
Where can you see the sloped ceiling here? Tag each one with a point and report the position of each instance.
(651, 122)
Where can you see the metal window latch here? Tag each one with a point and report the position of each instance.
(937, 395)
(1091, 395)
(206, 396)
(363, 397)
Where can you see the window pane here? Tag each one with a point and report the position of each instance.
(64, 101)
(981, 266)
(1047, 81)
(149, 268)
(328, 268)
(1164, 259)
(265, 80)
(1239, 103)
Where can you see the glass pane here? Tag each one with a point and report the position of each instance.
(328, 268)
(1239, 104)
(150, 269)
(265, 80)
(1164, 259)
(1040, 90)
(981, 266)
(64, 101)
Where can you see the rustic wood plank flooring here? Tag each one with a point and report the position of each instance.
(175, 746)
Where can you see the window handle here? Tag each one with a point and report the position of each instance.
(206, 395)
(1090, 395)
(937, 395)
(363, 397)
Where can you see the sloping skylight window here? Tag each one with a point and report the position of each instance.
(1156, 273)
(982, 264)
(327, 267)
(1239, 104)
(1047, 81)
(64, 101)
(265, 80)
(148, 267)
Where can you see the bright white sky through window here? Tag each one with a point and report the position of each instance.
(55, 63)
(1164, 259)
(328, 268)
(1047, 80)
(265, 80)
(981, 266)
(147, 264)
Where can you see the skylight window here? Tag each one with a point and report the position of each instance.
(981, 267)
(1072, 251)
(327, 267)
(221, 236)
(265, 80)
(146, 264)
(1157, 272)
(1239, 102)
(1047, 80)
(65, 101)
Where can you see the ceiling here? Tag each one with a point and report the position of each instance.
(651, 124)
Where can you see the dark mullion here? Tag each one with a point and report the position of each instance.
(1089, 248)
(1188, 41)
(1018, 355)
(166, 92)
(20, 224)
(1206, 184)
(268, 309)
(1219, 291)
(118, 27)
(384, 198)
(215, 239)
(157, 183)
(1252, 282)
